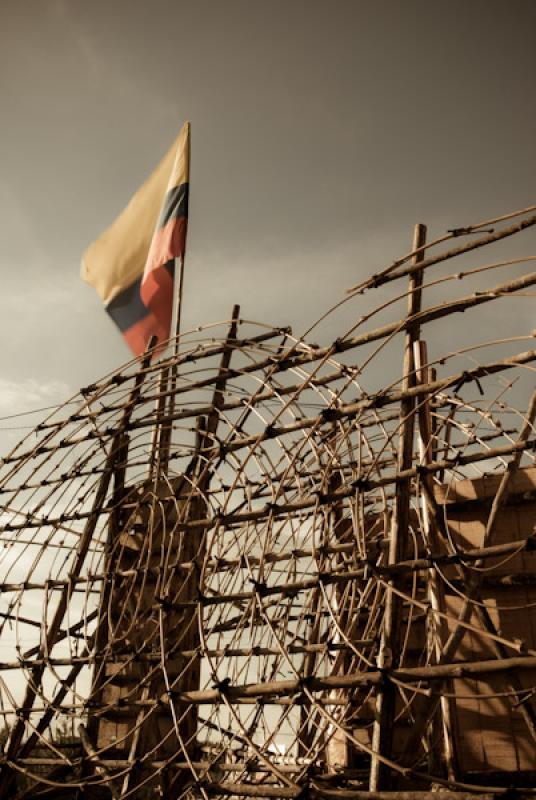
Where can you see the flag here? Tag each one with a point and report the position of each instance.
(131, 266)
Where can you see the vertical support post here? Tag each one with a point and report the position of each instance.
(337, 752)
(388, 656)
(162, 430)
(168, 379)
(193, 550)
(306, 732)
(219, 386)
(178, 296)
(437, 630)
(167, 432)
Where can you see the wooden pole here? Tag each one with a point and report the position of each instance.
(387, 275)
(438, 630)
(353, 680)
(166, 434)
(180, 283)
(382, 733)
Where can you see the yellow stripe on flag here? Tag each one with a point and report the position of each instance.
(117, 258)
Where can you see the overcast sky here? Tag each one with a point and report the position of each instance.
(321, 132)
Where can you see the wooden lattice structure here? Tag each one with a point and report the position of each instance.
(253, 566)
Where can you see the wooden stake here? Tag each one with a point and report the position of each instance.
(382, 734)
(439, 631)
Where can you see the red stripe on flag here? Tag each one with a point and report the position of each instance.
(157, 294)
(139, 334)
(157, 283)
(168, 243)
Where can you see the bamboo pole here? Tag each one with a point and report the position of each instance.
(199, 471)
(354, 680)
(162, 432)
(221, 652)
(383, 729)
(263, 790)
(387, 276)
(438, 631)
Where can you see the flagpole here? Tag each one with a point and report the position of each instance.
(167, 435)
(178, 307)
(178, 294)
